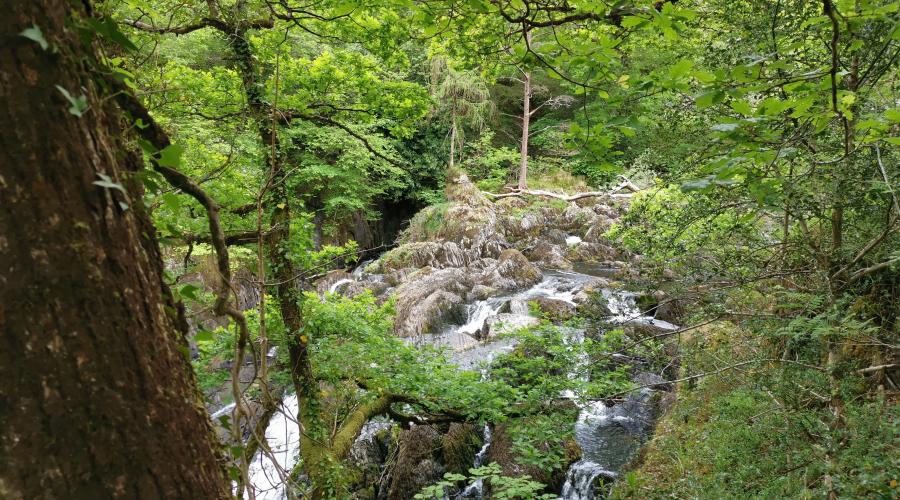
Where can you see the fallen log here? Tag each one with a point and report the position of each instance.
(613, 193)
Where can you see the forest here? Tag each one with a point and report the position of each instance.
(449, 249)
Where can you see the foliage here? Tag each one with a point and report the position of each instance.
(767, 432)
(502, 487)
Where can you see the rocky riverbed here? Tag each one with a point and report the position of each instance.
(465, 273)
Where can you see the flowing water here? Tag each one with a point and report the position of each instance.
(608, 436)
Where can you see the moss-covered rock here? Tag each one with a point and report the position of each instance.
(418, 462)
(459, 446)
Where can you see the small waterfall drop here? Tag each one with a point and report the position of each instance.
(339, 283)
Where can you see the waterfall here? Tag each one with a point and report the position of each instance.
(283, 438)
(572, 240)
(339, 283)
(581, 479)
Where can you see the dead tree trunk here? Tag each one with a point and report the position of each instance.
(526, 122)
(97, 398)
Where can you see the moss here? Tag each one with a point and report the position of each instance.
(459, 445)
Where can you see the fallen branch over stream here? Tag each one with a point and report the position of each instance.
(626, 184)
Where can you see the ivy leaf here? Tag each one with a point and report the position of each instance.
(79, 104)
(35, 34)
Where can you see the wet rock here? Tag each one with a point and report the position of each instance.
(505, 323)
(549, 255)
(554, 236)
(367, 458)
(554, 309)
(481, 292)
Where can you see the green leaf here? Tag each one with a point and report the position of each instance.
(680, 69)
(78, 104)
(170, 156)
(893, 115)
(107, 182)
(107, 29)
(203, 335)
(189, 291)
(742, 107)
(35, 34)
(632, 21)
(709, 98)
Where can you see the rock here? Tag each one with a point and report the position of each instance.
(549, 255)
(592, 304)
(554, 236)
(459, 445)
(518, 307)
(516, 270)
(595, 234)
(427, 298)
(426, 253)
(505, 323)
(417, 465)
(554, 309)
(367, 457)
(590, 252)
(575, 218)
(480, 292)
(501, 452)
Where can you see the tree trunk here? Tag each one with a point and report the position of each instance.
(97, 398)
(453, 143)
(526, 122)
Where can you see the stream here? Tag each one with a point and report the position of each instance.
(608, 436)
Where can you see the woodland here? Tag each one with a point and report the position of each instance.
(449, 249)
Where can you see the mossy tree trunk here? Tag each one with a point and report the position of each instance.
(97, 398)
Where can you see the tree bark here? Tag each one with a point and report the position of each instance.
(97, 398)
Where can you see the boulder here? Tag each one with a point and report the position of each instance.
(554, 236)
(417, 464)
(518, 307)
(516, 271)
(554, 309)
(426, 253)
(505, 323)
(549, 255)
(427, 298)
